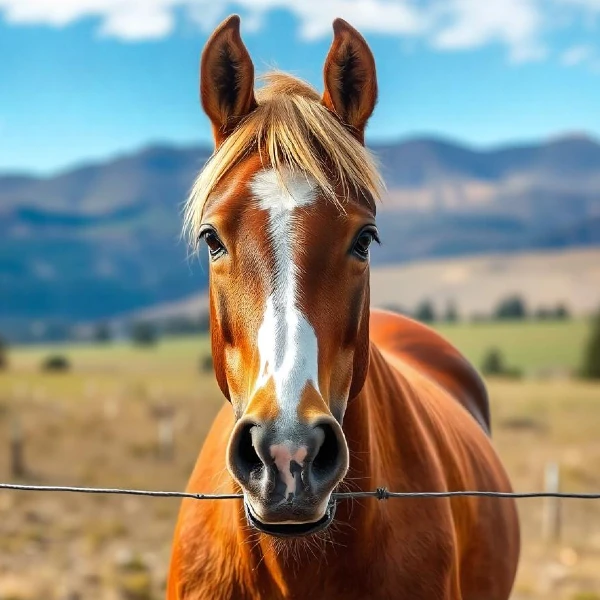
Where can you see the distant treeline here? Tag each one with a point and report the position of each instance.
(510, 308)
(147, 333)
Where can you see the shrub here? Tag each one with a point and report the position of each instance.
(591, 359)
(206, 364)
(143, 333)
(56, 363)
(494, 364)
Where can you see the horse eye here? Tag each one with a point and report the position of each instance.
(363, 243)
(215, 247)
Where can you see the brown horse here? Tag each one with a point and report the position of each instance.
(323, 392)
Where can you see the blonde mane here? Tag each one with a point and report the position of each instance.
(292, 130)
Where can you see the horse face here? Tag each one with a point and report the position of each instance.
(289, 302)
(289, 296)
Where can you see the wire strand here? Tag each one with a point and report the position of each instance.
(379, 493)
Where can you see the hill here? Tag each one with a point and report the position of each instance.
(475, 284)
(478, 283)
(103, 239)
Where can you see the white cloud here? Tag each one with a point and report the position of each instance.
(475, 23)
(138, 19)
(447, 25)
(315, 16)
(369, 16)
(576, 55)
(124, 19)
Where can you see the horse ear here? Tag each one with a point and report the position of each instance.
(350, 78)
(226, 79)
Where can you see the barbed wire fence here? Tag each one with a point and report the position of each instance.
(551, 514)
(380, 493)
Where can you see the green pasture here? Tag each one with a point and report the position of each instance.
(527, 345)
(177, 354)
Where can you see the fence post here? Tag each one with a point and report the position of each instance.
(551, 524)
(165, 421)
(17, 458)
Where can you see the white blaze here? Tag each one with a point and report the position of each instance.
(287, 342)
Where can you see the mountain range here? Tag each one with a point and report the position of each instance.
(104, 239)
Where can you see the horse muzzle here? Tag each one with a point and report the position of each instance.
(290, 528)
(288, 473)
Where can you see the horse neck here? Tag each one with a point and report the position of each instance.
(380, 408)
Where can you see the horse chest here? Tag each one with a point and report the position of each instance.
(375, 573)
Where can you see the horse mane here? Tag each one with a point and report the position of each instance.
(292, 130)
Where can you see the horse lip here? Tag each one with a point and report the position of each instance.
(287, 530)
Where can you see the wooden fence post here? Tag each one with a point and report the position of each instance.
(551, 523)
(17, 458)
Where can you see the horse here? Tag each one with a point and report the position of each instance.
(323, 393)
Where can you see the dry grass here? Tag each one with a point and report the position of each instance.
(94, 427)
(478, 283)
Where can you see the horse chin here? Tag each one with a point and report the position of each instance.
(291, 530)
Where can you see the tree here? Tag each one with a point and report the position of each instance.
(512, 307)
(425, 312)
(143, 333)
(451, 315)
(591, 360)
(102, 333)
(3, 358)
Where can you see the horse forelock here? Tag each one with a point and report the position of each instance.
(291, 130)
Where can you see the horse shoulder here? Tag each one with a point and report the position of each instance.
(440, 380)
(205, 562)
(435, 357)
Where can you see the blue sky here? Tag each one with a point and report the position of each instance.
(84, 80)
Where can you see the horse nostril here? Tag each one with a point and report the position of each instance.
(327, 457)
(247, 458)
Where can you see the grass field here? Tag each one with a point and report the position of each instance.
(529, 345)
(94, 426)
(174, 354)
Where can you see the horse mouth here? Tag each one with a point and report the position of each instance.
(287, 530)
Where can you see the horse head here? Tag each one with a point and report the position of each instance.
(286, 208)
